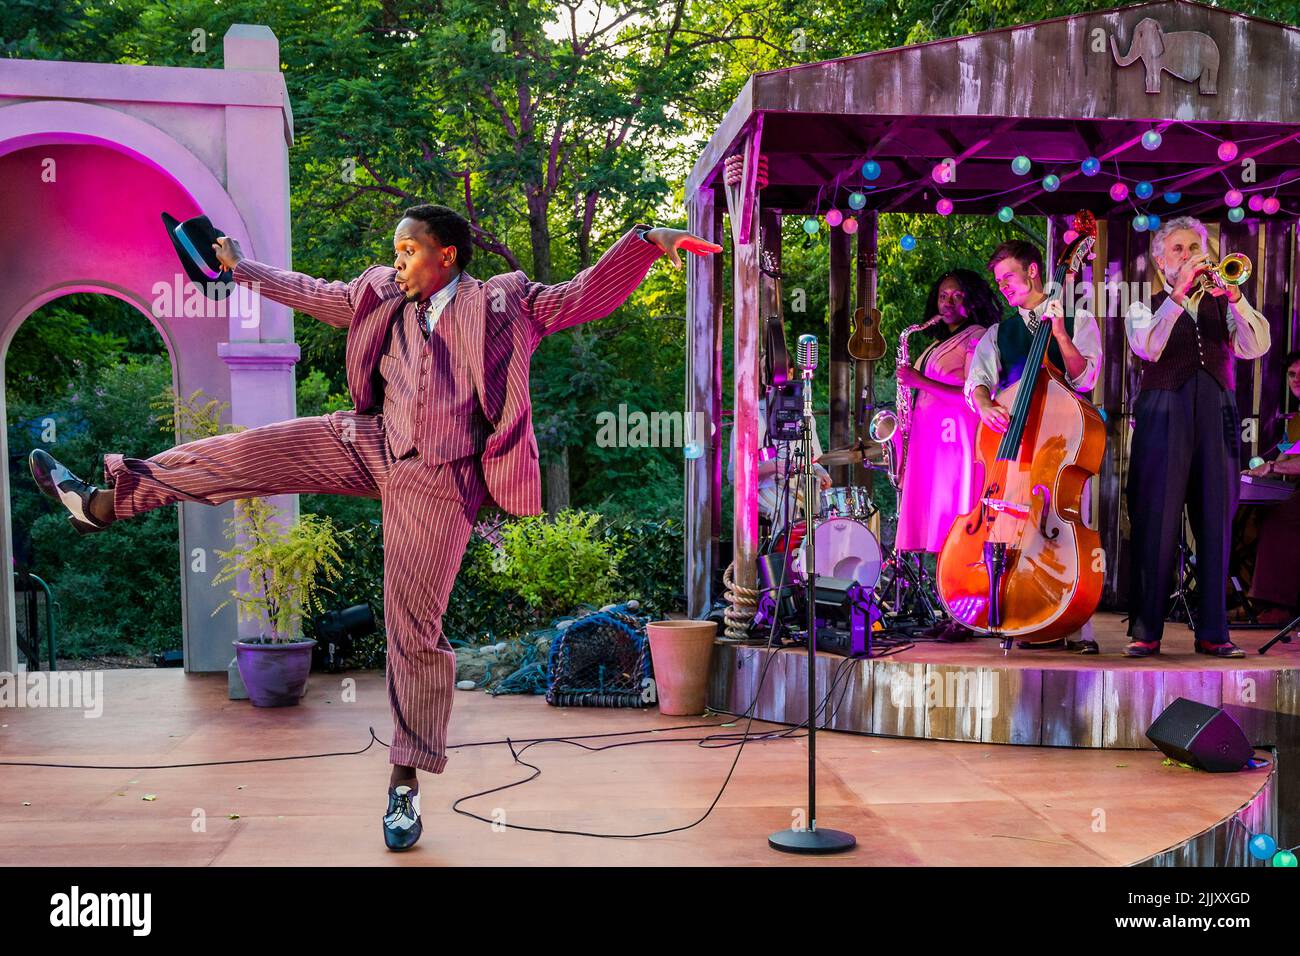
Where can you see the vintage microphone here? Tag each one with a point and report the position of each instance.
(810, 839)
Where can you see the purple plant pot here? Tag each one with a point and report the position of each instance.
(274, 674)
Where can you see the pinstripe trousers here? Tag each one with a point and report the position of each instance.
(428, 514)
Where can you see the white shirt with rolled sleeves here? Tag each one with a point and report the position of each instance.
(986, 364)
(1148, 332)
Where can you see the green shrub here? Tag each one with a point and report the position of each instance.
(287, 567)
(654, 569)
(557, 565)
(116, 593)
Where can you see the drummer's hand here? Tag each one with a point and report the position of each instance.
(909, 377)
(993, 415)
(824, 479)
(1259, 472)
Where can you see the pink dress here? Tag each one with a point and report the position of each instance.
(938, 479)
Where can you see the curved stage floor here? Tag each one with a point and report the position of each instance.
(972, 692)
(908, 802)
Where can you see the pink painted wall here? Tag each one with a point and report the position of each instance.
(90, 155)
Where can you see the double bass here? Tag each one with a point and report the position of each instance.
(1022, 563)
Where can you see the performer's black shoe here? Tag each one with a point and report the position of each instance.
(1142, 649)
(1221, 649)
(1083, 647)
(402, 826)
(63, 487)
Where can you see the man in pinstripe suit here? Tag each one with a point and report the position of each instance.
(437, 368)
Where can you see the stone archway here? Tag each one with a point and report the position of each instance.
(90, 155)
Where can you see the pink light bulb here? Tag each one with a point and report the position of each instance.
(834, 217)
(943, 207)
(1233, 197)
(1272, 204)
(1118, 192)
(1227, 151)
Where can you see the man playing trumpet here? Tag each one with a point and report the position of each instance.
(1186, 433)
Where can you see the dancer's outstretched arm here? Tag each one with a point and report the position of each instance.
(334, 303)
(601, 288)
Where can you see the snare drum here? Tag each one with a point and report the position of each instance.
(846, 549)
(848, 502)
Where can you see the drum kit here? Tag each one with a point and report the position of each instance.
(847, 550)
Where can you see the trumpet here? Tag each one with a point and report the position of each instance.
(1233, 269)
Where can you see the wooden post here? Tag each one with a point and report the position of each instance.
(716, 450)
(841, 370)
(1274, 269)
(1246, 237)
(1292, 339)
(701, 414)
(1121, 266)
(747, 320)
(864, 372)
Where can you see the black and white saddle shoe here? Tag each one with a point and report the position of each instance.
(402, 826)
(63, 487)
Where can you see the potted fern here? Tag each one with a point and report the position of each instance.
(285, 567)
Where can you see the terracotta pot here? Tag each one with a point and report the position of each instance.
(681, 651)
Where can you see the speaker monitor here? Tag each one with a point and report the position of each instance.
(1200, 735)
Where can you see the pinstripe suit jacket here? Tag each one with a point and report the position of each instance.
(499, 323)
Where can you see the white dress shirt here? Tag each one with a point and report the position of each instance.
(986, 364)
(1148, 332)
(439, 301)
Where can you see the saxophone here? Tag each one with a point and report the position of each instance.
(890, 429)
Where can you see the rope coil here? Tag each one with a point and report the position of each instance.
(742, 603)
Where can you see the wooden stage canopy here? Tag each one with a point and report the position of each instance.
(1057, 91)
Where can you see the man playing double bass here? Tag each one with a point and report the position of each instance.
(999, 359)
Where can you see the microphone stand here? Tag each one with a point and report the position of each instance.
(810, 840)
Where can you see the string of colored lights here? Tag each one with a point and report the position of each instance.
(1144, 190)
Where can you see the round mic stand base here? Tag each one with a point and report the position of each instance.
(812, 841)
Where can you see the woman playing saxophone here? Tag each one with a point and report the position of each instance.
(937, 428)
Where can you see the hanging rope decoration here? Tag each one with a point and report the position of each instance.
(742, 603)
(733, 170)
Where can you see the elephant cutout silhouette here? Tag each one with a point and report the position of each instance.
(1188, 55)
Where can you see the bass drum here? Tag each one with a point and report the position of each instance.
(846, 549)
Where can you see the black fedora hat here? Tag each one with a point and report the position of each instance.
(193, 241)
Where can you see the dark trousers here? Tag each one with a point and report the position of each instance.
(1185, 451)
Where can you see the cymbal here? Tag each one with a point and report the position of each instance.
(871, 454)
